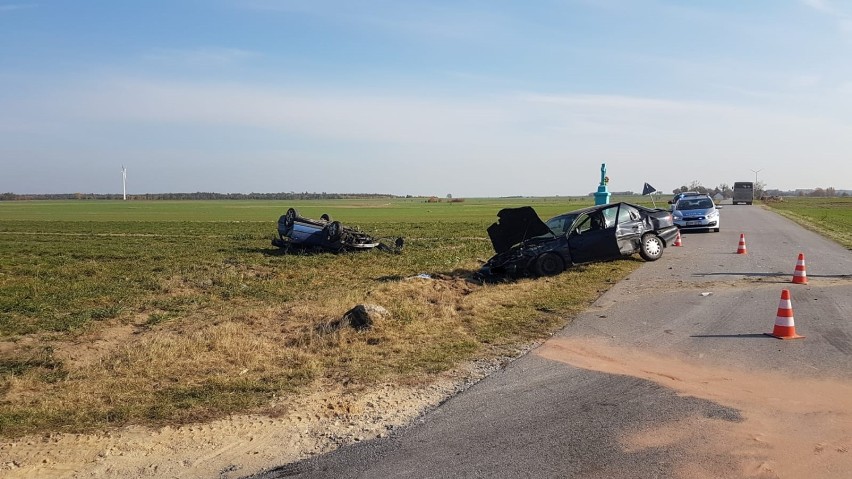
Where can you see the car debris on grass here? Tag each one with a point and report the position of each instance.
(298, 232)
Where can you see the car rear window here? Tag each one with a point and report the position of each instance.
(695, 204)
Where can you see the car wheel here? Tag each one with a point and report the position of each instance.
(332, 231)
(325, 217)
(652, 247)
(548, 264)
(716, 230)
(284, 227)
(290, 217)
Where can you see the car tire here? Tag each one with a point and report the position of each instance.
(548, 264)
(284, 227)
(332, 231)
(325, 217)
(651, 248)
(716, 230)
(290, 217)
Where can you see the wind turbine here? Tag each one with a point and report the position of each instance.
(124, 181)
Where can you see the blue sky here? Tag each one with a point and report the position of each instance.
(469, 98)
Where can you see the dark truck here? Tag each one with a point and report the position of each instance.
(743, 192)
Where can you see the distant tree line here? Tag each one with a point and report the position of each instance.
(724, 189)
(192, 196)
(829, 192)
(760, 190)
(822, 192)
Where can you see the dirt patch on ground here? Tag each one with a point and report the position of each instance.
(239, 445)
(793, 427)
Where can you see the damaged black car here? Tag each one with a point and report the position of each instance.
(527, 246)
(298, 232)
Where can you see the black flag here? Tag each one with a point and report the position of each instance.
(648, 189)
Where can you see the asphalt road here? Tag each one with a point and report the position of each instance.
(658, 378)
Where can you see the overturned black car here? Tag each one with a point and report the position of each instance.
(527, 246)
(297, 232)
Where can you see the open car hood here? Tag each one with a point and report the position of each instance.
(515, 225)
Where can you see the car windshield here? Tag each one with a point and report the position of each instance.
(561, 224)
(695, 204)
(684, 195)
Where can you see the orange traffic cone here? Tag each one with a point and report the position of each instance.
(799, 275)
(784, 324)
(677, 241)
(741, 249)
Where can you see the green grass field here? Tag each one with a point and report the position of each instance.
(115, 313)
(831, 217)
(158, 312)
(399, 209)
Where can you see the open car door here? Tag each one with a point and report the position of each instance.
(630, 229)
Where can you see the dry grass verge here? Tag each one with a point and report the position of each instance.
(240, 355)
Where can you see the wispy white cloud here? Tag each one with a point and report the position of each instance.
(203, 57)
(373, 116)
(614, 102)
(335, 114)
(436, 140)
(843, 17)
(845, 90)
(11, 7)
(819, 5)
(409, 19)
(804, 81)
